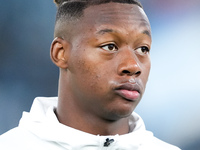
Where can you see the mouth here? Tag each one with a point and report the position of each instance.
(128, 91)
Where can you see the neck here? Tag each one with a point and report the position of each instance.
(88, 122)
(70, 113)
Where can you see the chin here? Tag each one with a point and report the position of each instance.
(118, 114)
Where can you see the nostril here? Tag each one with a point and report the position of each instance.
(126, 72)
(138, 73)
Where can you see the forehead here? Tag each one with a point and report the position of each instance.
(119, 14)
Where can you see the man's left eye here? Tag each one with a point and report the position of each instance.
(142, 50)
(109, 47)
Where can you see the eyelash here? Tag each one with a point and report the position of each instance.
(113, 46)
(144, 49)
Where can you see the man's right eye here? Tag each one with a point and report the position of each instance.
(109, 47)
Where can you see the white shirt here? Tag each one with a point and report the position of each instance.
(40, 129)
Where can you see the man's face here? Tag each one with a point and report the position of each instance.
(109, 61)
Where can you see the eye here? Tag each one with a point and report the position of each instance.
(110, 47)
(142, 50)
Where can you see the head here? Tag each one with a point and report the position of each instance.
(102, 50)
(70, 11)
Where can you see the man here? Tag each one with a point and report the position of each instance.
(102, 49)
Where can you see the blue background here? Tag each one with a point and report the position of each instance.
(170, 106)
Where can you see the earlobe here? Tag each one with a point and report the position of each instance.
(59, 52)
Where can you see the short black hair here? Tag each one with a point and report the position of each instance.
(70, 10)
(74, 8)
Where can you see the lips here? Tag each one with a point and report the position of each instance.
(128, 91)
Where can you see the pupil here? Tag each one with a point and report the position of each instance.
(110, 47)
(144, 49)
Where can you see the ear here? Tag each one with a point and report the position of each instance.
(60, 52)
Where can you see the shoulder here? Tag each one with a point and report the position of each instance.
(22, 139)
(161, 145)
(146, 138)
(16, 138)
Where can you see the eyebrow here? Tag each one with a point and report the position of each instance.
(147, 33)
(103, 31)
(144, 23)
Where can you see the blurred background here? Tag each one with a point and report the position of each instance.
(170, 106)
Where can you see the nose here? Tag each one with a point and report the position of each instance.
(129, 65)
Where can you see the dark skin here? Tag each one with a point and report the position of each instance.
(104, 68)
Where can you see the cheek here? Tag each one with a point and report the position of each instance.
(145, 72)
(87, 74)
(147, 69)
